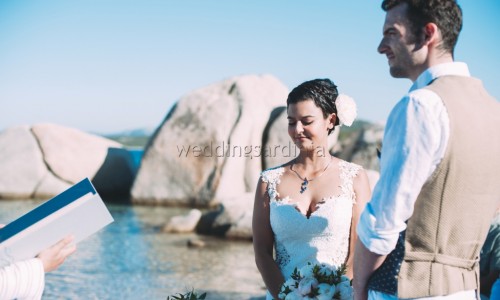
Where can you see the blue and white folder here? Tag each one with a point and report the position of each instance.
(79, 211)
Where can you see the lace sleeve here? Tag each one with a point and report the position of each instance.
(347, 173)
(272, 178)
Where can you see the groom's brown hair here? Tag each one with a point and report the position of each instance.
(446, 14)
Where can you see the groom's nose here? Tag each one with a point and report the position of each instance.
(382, 47)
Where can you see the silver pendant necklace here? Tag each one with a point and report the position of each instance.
(305, 181)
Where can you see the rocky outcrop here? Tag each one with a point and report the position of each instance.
(21, 163)
(232, 219)
(71, 154)
(43, 160)
(361, 146)
(182, 224)
(236, 215)
(209, 145)
(278, 146)
(49, 186)
(116, 175)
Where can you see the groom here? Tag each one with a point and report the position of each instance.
(421, 234)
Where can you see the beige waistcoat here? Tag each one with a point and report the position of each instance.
(454, 208)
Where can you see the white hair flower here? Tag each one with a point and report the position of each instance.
(346, 109)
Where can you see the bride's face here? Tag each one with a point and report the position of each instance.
(307, 126)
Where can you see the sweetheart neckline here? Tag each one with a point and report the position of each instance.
(324, 200)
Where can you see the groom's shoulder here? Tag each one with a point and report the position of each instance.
(420, 101)
(421, 96)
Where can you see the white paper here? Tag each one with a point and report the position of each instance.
(81, 218)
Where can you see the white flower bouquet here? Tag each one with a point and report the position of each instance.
(319, 282)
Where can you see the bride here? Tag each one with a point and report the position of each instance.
(307, 209)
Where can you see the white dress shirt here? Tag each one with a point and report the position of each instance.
(415, 140)
(24, 280)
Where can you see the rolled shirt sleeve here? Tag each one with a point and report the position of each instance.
(414, 143)
(24, 280)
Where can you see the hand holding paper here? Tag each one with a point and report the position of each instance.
(54, 256)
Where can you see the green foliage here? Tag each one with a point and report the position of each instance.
(187, 296)
(130, 141)
(357, 126)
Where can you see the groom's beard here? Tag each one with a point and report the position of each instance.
(407, 61)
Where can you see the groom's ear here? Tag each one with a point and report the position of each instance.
(431, 35)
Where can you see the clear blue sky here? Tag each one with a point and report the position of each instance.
(111, 65)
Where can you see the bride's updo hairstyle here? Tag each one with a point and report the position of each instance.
(322, 91)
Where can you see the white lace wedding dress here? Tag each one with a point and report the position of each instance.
(321, 238)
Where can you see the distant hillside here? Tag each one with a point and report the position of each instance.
(140, 137)
(355, 127)
(131, 138)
